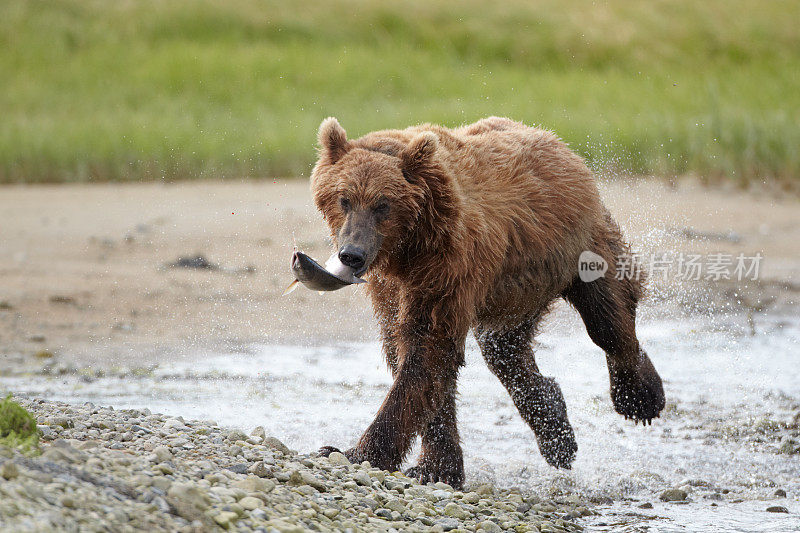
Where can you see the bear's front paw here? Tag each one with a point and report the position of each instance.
(446, 471)
(638, 393)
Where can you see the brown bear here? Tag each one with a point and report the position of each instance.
(476, 228)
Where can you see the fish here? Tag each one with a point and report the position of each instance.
(333, 276)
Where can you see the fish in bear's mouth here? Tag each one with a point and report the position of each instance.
(333, 276)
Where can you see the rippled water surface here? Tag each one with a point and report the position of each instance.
(732, 396)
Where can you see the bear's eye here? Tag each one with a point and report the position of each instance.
(345, 204)
(382, 208)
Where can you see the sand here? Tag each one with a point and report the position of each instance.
(84, 267)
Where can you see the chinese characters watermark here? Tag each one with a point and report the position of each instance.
(685, 267)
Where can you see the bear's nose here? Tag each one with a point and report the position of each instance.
(352, 256)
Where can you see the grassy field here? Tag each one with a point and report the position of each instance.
(99, 90)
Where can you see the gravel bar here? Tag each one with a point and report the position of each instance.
(103, 469)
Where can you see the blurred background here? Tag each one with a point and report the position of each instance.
(107, 91)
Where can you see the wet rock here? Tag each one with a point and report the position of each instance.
(777, 509)
(780, 493)
(673, 495)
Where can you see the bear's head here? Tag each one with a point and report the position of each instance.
(376, 194)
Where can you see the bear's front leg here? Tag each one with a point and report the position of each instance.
(426, 372)
(441, 458)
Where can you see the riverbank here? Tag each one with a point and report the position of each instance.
(130, 470)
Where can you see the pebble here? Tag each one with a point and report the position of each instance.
(250, 503)
(306, 478)
(490, 527)
(471, 498)
(276, 444)
(163, 454)
(673, 495)
(455, 510)
(173, 423)
(260, 469)
(338, 459)
(448, 524)
(9, 471)
(395, 505)
(226, 518)
(362, 478)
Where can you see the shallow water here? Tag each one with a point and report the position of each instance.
(729, 392)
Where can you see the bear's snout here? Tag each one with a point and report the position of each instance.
(352, 256)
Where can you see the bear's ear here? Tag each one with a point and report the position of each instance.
(419, 152)
(332, 139)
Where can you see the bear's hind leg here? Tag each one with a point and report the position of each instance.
(441, 458)
(608, 308)
(538, 398)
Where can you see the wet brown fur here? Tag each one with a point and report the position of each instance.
(485, 226)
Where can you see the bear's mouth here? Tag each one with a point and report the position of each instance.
(333, 276)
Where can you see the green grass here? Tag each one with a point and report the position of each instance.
(18, 427)
(99, 90)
